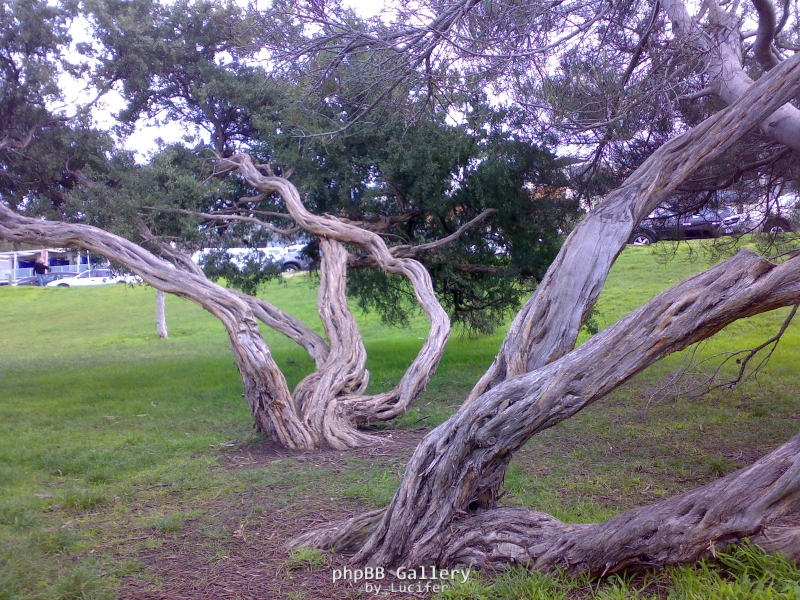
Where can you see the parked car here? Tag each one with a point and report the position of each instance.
(293, 259)
(289, 258)
(665, 224)
(94, 277)
(48, 277)
(774, 216)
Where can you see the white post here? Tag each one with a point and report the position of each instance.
(161, 314)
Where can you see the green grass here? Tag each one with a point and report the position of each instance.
(305, 558)
(111, 440)
(743, 574)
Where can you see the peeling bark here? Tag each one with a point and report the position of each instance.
(681, 529)
(318, 395)
(455, 469)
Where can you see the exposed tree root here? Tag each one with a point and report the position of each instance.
(346, 536)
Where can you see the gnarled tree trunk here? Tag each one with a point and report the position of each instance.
(444, 511)
(348, 400)
(547, 326)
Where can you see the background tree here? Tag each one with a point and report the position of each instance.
(42, 148)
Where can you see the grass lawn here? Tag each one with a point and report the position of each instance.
(129, 467)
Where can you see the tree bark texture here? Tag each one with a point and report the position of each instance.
(538, 379)
(161, 314)
(681, 529)
(342, 373)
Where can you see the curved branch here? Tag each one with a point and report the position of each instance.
(319, 396)
(765, 34)
(388, 404)
(489, 212)
(723, 57)
(547, 326)
(409, 251)
(383, 224)
(282, 322)
(179, 259)
(240, 218)
(784, 17)
(265, 388)
(16, 143)
(270, 315)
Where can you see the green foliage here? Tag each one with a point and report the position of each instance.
(421, 183)
(182, 62)
(42, 152)
(32, 34)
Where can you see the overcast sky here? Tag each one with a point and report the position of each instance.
(145, 139)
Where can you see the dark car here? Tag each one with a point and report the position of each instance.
(48, 277)
(664, 224)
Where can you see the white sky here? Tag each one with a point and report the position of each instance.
(145, 139)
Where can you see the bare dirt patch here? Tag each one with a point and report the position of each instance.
(240, 556)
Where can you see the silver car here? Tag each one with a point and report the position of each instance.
(94, 277)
